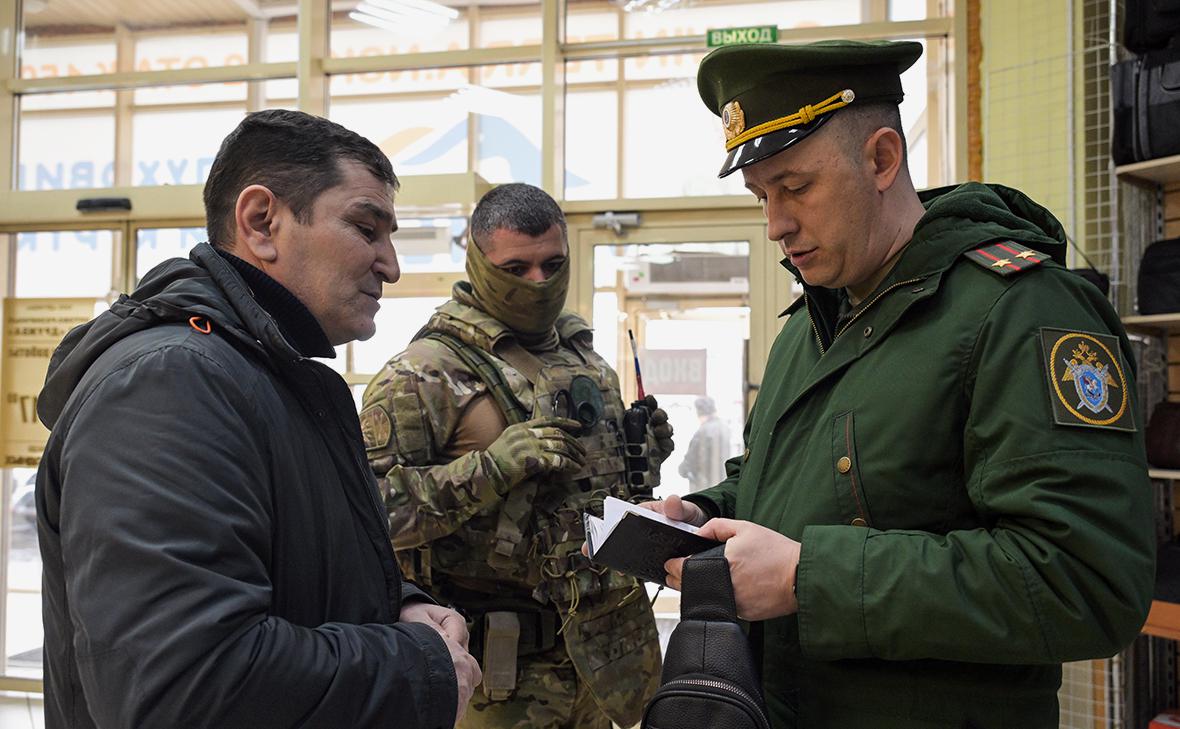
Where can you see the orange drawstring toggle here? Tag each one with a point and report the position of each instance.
(194, 322)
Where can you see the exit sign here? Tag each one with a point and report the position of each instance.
(739, 36)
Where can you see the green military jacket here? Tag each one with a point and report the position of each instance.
(958, 542)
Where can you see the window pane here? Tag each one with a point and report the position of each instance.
(177, 147)
(509, 126)
(65, 263)
(588, 22)
(60, 151)
(24, 635)
(54, 55)
(591, 145)
(353, 39)
(425, 136)
(674, 297)
(153, 246)
(62, 39)
(642, 19)
(503, 26)
(180, 50)
(430, 245)
(662, 159)
(398, 320)
(907, 9)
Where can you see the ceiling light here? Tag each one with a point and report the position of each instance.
(403, 16)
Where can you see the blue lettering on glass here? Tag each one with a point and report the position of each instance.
(50, 178)
(147, 238)
(176, 167)
(203, 165)
(82, 174)
(88, 238)
(149, 172)
(108, 175)
(189, 237)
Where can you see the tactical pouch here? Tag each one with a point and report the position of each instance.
(501, 634)
(710, 678)
(613, 645)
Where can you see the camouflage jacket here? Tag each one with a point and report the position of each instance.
(476, 541)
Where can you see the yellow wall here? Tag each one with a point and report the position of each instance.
(1026, 90)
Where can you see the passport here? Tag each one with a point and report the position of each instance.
(637, 541)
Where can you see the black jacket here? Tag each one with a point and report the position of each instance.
(215, 554)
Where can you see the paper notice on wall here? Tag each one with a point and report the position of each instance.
(32, 330)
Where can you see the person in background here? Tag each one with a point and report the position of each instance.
(944, 493)
(215, 553)
(490, 435)
(704, 460)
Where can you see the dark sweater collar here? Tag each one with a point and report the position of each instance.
(296, 323)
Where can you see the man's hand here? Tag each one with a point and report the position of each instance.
(678, 509)
(541, 445)
(445, 620)
(453, 629)
(660, 429)
(762, 565)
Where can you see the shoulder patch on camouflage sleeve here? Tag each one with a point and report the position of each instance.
(1087, 379)
(1007, 258)
(376, 427)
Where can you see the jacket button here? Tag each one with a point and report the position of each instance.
(859, 522)
(868, 332)
(844, 465)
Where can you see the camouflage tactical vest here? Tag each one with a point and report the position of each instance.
(530, 543)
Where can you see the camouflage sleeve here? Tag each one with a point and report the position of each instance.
(409, 414)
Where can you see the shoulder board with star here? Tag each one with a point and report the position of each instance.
(1007, 258)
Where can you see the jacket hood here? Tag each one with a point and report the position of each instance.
(203, 285)
(1005, 214)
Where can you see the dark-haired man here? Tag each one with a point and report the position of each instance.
(215, 554)
(944, 493)
(490, 435)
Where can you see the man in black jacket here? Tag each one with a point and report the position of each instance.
(215, 553)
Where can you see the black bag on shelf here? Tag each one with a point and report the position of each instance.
(1150, 24)
(709, 677)
(1146, 100)
(1159, 278)
(1163, 436)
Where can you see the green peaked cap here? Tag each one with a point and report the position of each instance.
(770, 97)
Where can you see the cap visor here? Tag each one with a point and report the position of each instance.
(767, 145)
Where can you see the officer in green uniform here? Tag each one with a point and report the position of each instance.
(944, 493)
(490, 436)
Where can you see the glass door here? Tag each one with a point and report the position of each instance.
(688, 306)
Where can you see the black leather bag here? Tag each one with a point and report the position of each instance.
(1163, 436)
(709, 679)
(1150, 24)
(1146, 101)
(1159, 278)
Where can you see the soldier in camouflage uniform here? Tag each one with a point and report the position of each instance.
(490, 436)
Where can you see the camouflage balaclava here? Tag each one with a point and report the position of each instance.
(526, 307)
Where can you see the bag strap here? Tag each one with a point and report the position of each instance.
(706, 589)
(483, 367)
